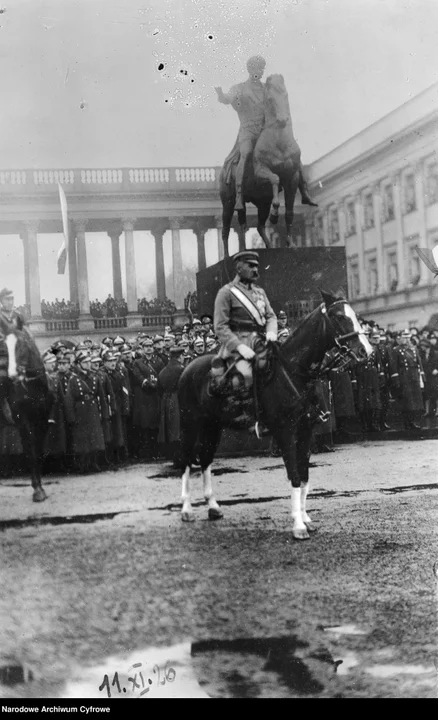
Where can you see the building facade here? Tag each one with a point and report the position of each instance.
(378, 196)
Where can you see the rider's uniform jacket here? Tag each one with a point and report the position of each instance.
(234, 323)
(10, 323)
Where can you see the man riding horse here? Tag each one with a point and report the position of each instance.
(248, 99)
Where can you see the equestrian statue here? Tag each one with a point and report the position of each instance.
(265, 156)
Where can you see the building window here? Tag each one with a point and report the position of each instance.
(432, 183)
(414, 266)
(388, 203)
(333, 225)
(410, 201)
(353, 279)
(350, 218)
(372, 277)
(368, 211)
(392, 271)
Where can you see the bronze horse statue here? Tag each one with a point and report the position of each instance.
(23, 383)
(275, 165)
(285, 398)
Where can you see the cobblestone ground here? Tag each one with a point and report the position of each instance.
(104, 575)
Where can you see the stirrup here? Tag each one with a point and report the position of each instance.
(261, 431)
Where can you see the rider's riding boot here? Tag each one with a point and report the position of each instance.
(305, 197)
(6, 411)
(217, 385)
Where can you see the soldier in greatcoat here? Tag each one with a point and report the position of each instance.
(407, 378)
(55, 444)
(369, 377)
(169, 432)
(120, 390)
(146, 407)
(85, 402)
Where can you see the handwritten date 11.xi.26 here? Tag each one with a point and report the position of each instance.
(168, 674)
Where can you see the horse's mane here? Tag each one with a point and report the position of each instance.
(34, 361)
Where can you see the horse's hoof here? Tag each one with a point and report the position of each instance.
(311, 527)
(300, 534)
(187, 517)
(215, 514)
(39, 495)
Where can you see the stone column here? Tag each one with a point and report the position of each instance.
(83, 292)
(401, 262)
(309, 221)
(220, 244)
(131, 278)
(178, 290)
(199, 229)
(34, 271)
(325, 219)
(423, 241)
(23, 236)
(377, 207)
(159, 262)
(117, 270)
(360, 249)
(72, 264)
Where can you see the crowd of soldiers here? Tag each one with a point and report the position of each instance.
(117, 400)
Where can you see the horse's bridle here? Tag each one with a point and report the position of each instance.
(346, 353)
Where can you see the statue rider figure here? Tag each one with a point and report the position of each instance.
(248, 99)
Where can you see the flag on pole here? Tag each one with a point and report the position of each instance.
(430, 258)
(62, 254)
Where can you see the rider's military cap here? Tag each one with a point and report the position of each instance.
(5, 292)
(246, 256)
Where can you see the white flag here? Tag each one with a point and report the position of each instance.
(62, 254)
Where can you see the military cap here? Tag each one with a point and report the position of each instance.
(119, 340)
(283, 332)
(198, 341)
(5, 292)
(62, 358)
(126, 348)
(147, 342)
(96, 359)
(175, 351)
(406, 333)
(58, 345)
(183, 343)
(88, 340)
(246, 256)
(196, 321)
(210, 341)
(281, 314)
(81, 346)
(206, 317)
(374, 333)
(107, 341)
(169, 336)
(82, 356)
(49, 357)
(110, 356)
(158, 338)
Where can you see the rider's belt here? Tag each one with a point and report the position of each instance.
(246, 325)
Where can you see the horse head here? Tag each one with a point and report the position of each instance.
(343, 324)
(277, 101)
(24, 359)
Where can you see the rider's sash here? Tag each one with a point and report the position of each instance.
(248, 305)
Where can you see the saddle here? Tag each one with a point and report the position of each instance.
(239, 400)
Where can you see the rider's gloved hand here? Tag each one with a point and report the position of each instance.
(245, 352)
(271, 336)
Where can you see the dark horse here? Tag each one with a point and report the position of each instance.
(285, 400)
(26, 389)
(276, 163)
